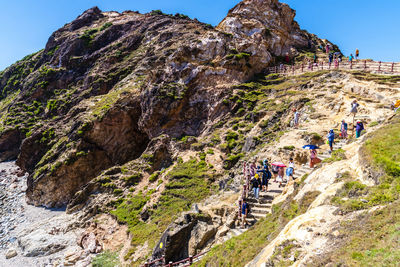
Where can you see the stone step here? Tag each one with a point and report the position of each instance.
(300, 171)
(260, 210)
(252, 200)
(258, 215)
(261, 205)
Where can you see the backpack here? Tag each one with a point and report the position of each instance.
(274, 168)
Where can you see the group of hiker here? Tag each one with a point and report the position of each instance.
(259, 176)
(333, 57)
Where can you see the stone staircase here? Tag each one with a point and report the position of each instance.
(261, 207)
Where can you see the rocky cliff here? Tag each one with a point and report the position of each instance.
(108, 83)
(142, 115)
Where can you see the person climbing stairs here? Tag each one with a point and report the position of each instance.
(259, 208)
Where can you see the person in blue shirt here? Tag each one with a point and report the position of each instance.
(244, 211)
(331, 139)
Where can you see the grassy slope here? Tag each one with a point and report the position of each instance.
(189, 182)
(374, 238)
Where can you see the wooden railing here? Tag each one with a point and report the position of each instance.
(379, 67)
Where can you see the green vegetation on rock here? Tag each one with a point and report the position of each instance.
(189, 182)
(106, 259)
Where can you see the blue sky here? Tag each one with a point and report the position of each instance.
(372, 26)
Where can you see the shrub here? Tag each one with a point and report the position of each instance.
(118, 191)
(106, 259)
(88, 36)
(154, 176)
(106, 26)
(231, 136)
(289, 148)
(132, 179)
(156, 12)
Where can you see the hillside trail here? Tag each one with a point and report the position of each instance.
(311, 231)
(324, 114)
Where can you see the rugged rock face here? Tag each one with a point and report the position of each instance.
(108, 83)
(138, 114)
(265, 29)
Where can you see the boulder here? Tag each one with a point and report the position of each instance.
(184, 237)
(11, 253)
(90, 243)
(40, 243)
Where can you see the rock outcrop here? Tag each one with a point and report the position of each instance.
(122, 112)
(265, 29)
(108, 83)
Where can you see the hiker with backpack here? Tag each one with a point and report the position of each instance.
(331, 139)
(357, 53)
(256, 184)
(359, 128)
(265, 175)
(343, 129)
(330, 58)
(351, 57)
(244, 211)
(275, 170)
(290, 169)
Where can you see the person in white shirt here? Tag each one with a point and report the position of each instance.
(290, 169)
(296, 119)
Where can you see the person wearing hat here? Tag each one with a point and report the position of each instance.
(256, 184)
